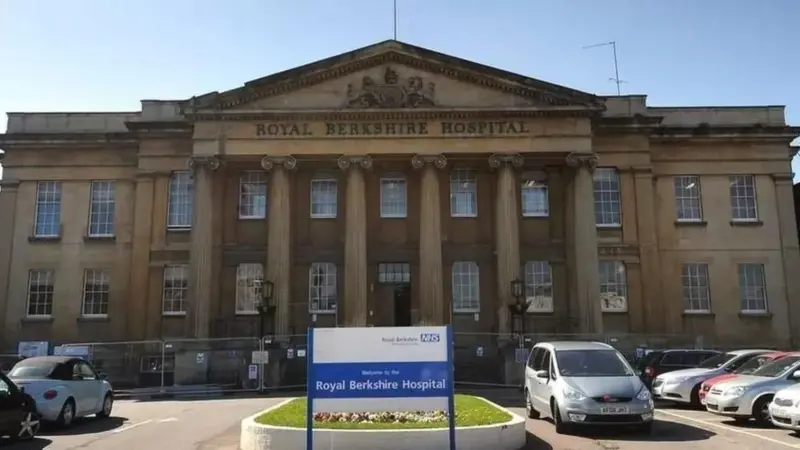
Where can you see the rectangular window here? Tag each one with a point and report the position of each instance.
(744, 207)
(322, 288)
(463, 193)
(323, 198)
(176, 287)
(40, 293)
(393, 197)
(535, 202)
(102, 208)
(96, 288)
(253, 195)
(394, 273)
(688, 204)
(613, 287)
(181, 200)
(696, 295)
(752, 288)
(248, 288)
(48, 209)
(538, 286)
(607, 204)
(466, 287)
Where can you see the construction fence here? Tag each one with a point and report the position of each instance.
(194, 366)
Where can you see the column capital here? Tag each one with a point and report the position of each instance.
(9, 185)
(287, 162)
(783, 177)
(345, 162)
(579, 160)
(197, 162)
(498, 160)
(420, 161)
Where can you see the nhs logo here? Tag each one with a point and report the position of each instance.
(429, 337)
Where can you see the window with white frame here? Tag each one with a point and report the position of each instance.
(688, 203)
(393, 197)
(463, 193)
(534, 195)
(102, 208)
(176, 288)
(538, 286)
(752, 288)
(466, 287)
(96, 288)
(253, 195)
(181, 200)
(48, 209)
(248, 277)
(613, 286)
(323, 198)
(607, 204)
(322, 288)
(40, 293)
(696, 294)
(743, 198)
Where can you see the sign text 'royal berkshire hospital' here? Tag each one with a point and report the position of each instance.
(380, 369)
(285, 130)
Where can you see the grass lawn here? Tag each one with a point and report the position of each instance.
(470, 411)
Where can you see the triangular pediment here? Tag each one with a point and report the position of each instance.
(393, 75)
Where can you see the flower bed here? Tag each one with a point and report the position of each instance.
(383, 417)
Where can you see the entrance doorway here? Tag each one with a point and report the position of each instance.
(394, 296)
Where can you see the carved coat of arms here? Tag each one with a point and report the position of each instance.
(391, 93)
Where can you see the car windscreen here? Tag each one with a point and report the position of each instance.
(777, 368)
(754, 364)
(32, 369)
(715, 362)
(591, 363)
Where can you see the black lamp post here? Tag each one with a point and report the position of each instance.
(519, 308)
(265, 307)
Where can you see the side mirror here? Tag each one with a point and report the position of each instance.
(542, 374)
(796, 375)
(102, 376)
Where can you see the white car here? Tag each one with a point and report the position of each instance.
(784, 410)
(63, 388)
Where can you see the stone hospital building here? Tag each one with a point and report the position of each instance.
(394, 185)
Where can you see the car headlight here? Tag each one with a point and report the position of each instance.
(736, 391)
(644, 394)
(573, 394)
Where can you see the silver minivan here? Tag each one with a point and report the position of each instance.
(585, 383)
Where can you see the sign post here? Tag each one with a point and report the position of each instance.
(380, 369)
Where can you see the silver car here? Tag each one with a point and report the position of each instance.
(784, 410)
(585, 383)
(749, 396)
(683, 386)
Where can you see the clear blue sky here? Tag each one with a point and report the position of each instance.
(102, 55)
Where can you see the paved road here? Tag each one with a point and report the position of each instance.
(214, 425)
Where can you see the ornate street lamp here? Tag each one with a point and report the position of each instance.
(519, 308)
(265, 307)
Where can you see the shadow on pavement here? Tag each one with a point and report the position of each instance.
(88, 425)
(663, 431)
(34, 444)
(533, 442)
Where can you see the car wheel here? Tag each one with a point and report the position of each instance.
(561, 427)
(695, 397)
(28, 427)
(67, 414)
(108, 403)
(530, 411)
(761, 411)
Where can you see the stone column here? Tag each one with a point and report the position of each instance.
(790, 252)
(587, 276)
(506, 233)
(431, 286)
(279, 238)
(202, 243)
(355, 240)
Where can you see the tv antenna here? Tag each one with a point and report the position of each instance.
(394, 15)
(616, 79)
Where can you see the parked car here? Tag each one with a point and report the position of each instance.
(64, 388)
(585, 383)
(19, 419)
(683, 386)
(784, 410)
(663, 361)
(749, 396)
(746, 369)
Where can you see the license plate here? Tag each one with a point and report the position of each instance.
(614, 410)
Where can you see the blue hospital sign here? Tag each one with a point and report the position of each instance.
(380, 369)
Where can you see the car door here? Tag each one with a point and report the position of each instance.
(535, 382)
(92, 387)
(545, 385)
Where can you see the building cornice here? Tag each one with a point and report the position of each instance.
(46, 140)
(726, 133)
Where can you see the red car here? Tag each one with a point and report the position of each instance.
(748, 367)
